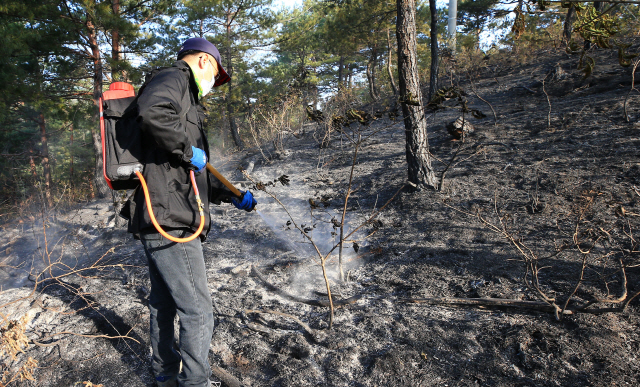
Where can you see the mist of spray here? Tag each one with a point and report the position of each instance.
(317, 224)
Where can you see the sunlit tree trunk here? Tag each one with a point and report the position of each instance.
(453, 21)
(230, 109)
(391, 76)
(71, 172)
(115, 43)
(420, 171)
(371, 75)
(341, 73)
(433, 79)
(46, 164)
(568, 24)
(101, 187)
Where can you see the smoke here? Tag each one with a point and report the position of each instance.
(318, 224)
(56, 245)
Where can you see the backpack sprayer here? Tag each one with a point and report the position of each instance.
(122, 152)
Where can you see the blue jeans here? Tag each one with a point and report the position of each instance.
(179, 285)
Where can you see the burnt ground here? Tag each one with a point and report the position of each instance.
(561, 184)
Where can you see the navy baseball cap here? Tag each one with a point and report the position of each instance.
(203, 45)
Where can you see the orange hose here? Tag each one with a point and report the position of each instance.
(155, 222)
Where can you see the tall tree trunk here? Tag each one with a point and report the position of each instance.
(372, 92)
(433, 78)
(116, 75)
(341, 73)
(34, 176)
(453, 21)
(115, 44)
(46, 165)
(568, 24)
(230, 109)
(371, 76)
(391, 76)
(374, 66)
(420, 171)
(102, 189)
(71, 177)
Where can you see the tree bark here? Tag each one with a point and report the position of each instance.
(341, 73)
(391, 76)
(420, 172)
(371, 75)
(230, 108)
(102, 189)
(117, 74)
(71, 177)
(568, 24)
(433, 79)
(453, 21)
(46, 165)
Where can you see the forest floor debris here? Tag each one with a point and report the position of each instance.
(426, 245)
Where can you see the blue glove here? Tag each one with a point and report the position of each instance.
(199, 159)
(245, 202)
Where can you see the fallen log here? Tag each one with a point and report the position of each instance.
(499, 302)
(312, 302)
(317, 335)
(226, 378)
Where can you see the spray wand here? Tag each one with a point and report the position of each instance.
(223, 180)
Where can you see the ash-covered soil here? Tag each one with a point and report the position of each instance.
(560, 181)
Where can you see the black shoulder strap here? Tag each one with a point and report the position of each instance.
(149, 77)
(186, 99)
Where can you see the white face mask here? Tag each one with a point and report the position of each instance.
(206, 86)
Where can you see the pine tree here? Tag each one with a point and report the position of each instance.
(235, 28)
(417, 145)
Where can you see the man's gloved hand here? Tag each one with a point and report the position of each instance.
(199, 159)
(245, 202)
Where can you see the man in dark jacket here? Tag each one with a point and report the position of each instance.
(174, 143)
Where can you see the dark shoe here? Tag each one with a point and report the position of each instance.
(167, 381)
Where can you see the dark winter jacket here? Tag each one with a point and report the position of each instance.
(171, 121)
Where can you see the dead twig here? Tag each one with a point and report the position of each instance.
(548, 102)
(495, 116)
(444, 172)
(346, 201)
(633, 87)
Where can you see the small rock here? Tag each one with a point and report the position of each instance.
(460, 128)
(477, 284)
(242, 270)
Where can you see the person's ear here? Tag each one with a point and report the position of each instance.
(202, 61)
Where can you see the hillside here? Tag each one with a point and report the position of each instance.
(557, 171)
